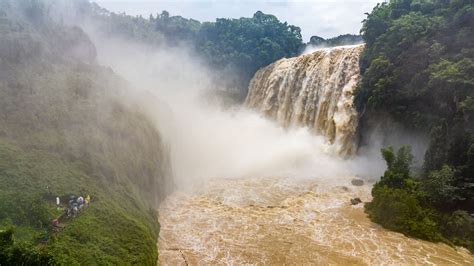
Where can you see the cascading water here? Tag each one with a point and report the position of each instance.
(251, 192)
(313, 90)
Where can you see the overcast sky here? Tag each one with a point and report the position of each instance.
(325, 18)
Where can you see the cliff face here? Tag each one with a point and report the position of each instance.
(313, 91)
(67, 128)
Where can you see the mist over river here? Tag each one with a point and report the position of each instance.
(270, 182)
(274, 186)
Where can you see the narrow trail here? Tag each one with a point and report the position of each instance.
(285, 221)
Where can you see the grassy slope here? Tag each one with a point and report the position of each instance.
(64, 129)
(111, 230)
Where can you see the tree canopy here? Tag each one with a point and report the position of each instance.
(345, 39)
(237, 46)
(418, 69)
(248, 44)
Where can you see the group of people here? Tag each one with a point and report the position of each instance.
(76, 205)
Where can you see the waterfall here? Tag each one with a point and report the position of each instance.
(314, 91)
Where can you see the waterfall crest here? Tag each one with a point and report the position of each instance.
(314, 91)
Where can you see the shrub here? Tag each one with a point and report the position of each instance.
(459, 227)
(400, 210)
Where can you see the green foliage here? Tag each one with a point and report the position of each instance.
(237, 46)
(14, 253)
(398, 166)
(396, 199)
(64, 129)
(345, 39)
(418, 68)
(422, 208)
(417, 65)
(176, 28)
(439, 187)
(247, 44)
(459, 227)
(116, 228)
(436, 155)
(240, 45)
(400, 210)
(24, 209)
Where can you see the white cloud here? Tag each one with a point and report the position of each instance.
(324, 18)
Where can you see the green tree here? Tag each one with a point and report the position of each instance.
(418, 69)
(247, 44)
(397, 198)
(398, 166)
(440, 189)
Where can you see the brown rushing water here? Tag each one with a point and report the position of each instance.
(315, 91)
(282, 221)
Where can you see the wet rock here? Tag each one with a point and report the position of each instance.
(342, 188)
(357, 182)
(356, 201)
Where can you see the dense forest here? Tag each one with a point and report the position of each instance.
(66, 130)
(232, 47)
(418, 69)
(345, 39)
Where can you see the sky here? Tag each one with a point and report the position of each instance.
(324, 18)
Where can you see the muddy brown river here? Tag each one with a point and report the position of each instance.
(285, 221)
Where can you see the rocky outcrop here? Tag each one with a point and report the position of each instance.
(357, 182)
(356, 201)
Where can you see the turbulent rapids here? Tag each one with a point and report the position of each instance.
(253, 192)
(313, 90)
(283, 221)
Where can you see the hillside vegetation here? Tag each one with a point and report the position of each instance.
(418, 70)
(65, 129)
